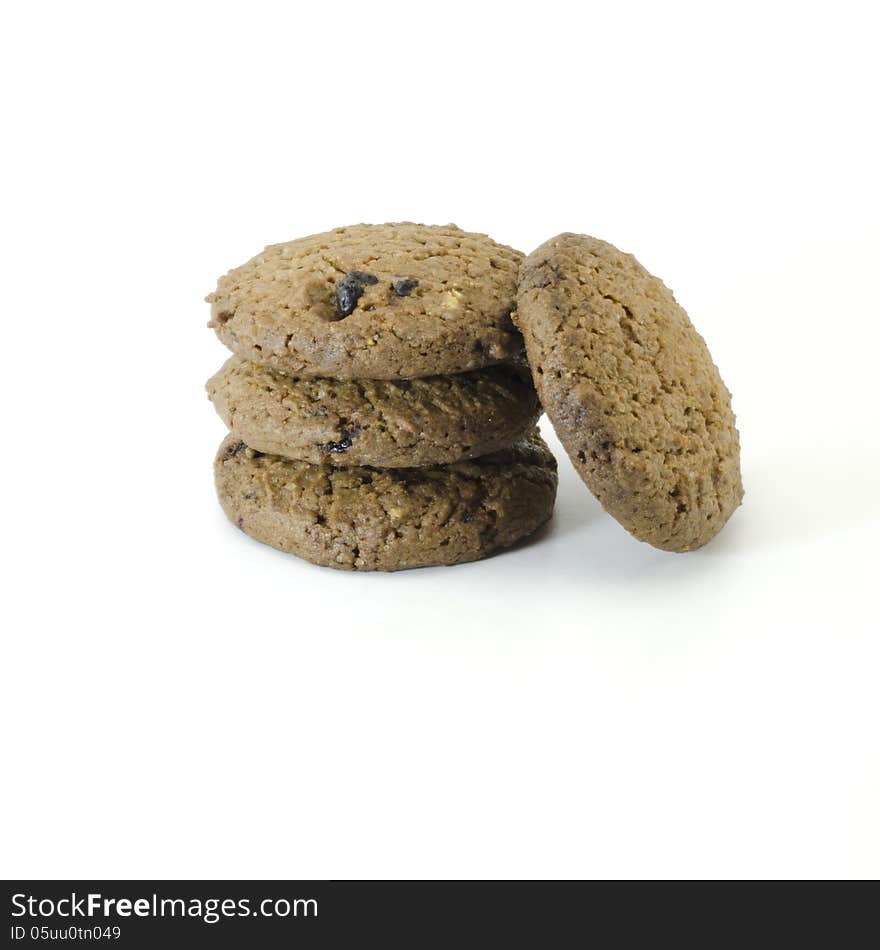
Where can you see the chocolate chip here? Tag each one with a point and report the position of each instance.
(337, 448)
(233, 450)
(404, 286)
(467, 517)
(350, 288)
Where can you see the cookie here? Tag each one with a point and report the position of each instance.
(631, 390)
(387, 423)
(371, 519)
(385, 301)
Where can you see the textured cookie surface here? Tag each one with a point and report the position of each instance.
(388, 423)
(372, 519)
(387, 301)
(631, 390)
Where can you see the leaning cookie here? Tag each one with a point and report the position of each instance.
(387, 423)
(387, 301)
(631, 390)
(372, 519)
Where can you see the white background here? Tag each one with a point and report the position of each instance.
(180, 701)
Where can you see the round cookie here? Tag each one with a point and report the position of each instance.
(387, 423)
(631, 390)
(371, 519)
(384, 301)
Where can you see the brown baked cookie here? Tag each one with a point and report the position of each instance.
(384, 301)
(631, 390)
(388, 423)
(372, 519)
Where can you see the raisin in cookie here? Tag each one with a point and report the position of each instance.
(371, 519)
(386, 301)
(388, 423)
(631, 390)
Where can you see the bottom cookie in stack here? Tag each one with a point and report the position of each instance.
(388, 519)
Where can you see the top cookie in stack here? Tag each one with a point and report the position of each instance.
(380, 350)
(388, 301)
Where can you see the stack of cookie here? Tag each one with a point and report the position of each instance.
(381, 416)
